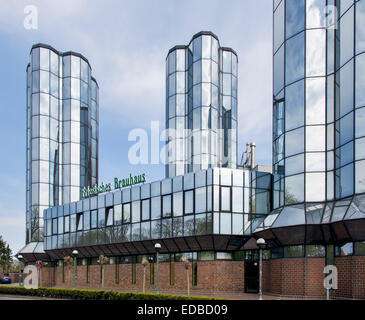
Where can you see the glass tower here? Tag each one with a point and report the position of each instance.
(201, 106)
(319, 99)
(62, 132)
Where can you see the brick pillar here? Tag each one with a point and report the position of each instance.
(266, 276)
(345, 279)
(358, 281)
(314, 276)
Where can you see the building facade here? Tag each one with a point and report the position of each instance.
(310, 210)
(318, 89)
(201, 105)
(318, 96)
(318, 162)
(62, 132)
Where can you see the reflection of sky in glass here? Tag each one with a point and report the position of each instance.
(315, 13)
(360, 81)
(315, 138)
(295, 17)
(315, 186)
(294, 142)
(279, 70)
(294, 106)
(346, 181)
(294, 66)
(360, 176)
(316, 103)
(360, 30)
(316, 52)
(347, 36)
(279, 26)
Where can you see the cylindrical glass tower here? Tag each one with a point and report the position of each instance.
(62, 132)
(319, 65)
(201, 106)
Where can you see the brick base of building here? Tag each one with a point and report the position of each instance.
(301, 277)
(212, 276)
(304, 277)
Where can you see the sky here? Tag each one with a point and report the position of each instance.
(126, 43)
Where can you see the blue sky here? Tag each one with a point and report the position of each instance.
(126, 43)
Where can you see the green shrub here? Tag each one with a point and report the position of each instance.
(77, 294)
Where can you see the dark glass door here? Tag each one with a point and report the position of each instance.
(251, 276)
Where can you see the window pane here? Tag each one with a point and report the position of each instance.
(360, 80)
(136, 211)
(200, 200)
(110, 218)
(226, 223)
(156, 208)
(237, 199)
(226, 199)
(127, 213)
(315, 251)
(166, 206)
(294, 165)
(145, 209)
(279, 70)
(315, 187)
(294, 189)
(294, 58)
(316, 138)
(279, 26)
(293, 251)
(346, 82)
(346, 29)
(294, 106)
(87, 220)
(178, 204)
(101, 218)
(360, 31)
(189, 226)
(316, 13)
(118, 214)
(316, 102)
(294, 142)
(316, 52)
(44, 81)
(295, 16)
(67, 224)
(189, 202)
(345, 250)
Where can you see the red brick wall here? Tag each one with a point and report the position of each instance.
(46, 277)
(358, 274)
(314, 277)
(294, 277)
(351, 277)
(213, 276)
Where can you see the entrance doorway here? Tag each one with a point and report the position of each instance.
(252, 276)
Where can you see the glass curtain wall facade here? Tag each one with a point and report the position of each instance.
(196, 207)
(62, 132)
(201, 106)
(319, 84)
